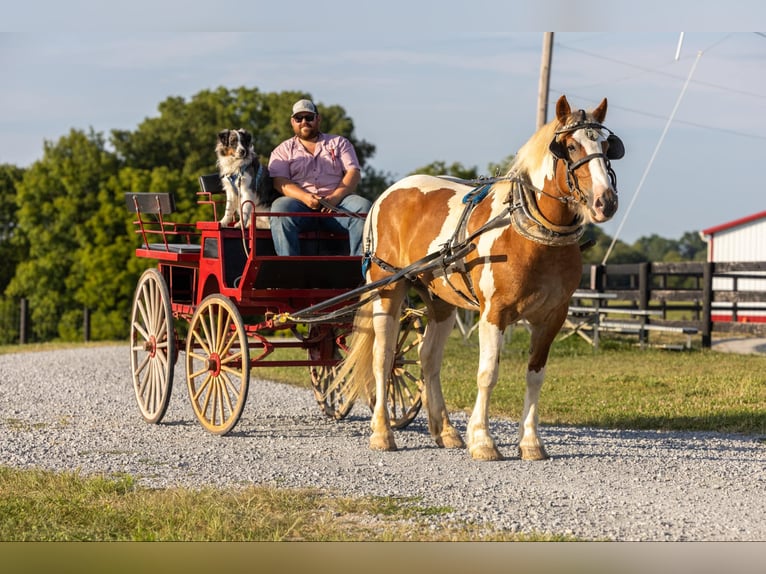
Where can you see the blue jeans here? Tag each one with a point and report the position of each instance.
(284, 230)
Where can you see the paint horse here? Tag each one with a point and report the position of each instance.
(508, 248)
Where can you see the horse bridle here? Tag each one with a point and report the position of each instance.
(615, 150)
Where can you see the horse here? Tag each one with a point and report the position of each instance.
(508, 248)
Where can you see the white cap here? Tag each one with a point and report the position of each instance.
(304, 106)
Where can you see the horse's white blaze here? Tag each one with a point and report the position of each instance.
(597, 166)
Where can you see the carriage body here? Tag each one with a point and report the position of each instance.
(223, 296)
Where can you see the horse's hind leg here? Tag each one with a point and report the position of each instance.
(441, 320)
(480, 443)
(385, 322)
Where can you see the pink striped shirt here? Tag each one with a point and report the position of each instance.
(320, 173)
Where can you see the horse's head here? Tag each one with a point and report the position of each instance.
(585, 146)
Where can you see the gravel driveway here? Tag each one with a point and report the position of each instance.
(75, 409)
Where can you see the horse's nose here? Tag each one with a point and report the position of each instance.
(609, 202)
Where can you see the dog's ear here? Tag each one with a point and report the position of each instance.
(223, 137)
(245, 137)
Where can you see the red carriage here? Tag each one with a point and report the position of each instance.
(223, 296)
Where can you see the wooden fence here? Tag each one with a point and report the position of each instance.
(709, 296)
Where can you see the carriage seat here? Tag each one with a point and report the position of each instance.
(161, 239)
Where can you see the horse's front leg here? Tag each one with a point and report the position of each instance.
(530, 445)
(480, 443)
(385, 323)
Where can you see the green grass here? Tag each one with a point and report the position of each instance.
(618, 386)
(56, 507)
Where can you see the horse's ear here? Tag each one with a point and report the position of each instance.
(562, 109)
(600, 112)
(558, 149)
(615, 149)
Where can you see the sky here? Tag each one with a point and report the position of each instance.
(425, 81)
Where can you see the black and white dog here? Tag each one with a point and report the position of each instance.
(246, 181)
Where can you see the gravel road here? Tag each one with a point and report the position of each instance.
(75, 410)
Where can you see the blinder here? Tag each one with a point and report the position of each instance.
(615, 149)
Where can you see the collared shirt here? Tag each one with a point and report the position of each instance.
(320, 173)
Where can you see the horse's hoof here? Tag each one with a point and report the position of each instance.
(383, 441)
(450, 439)
(533, 453)
(486, 453)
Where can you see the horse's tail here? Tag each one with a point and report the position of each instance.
(354, 377)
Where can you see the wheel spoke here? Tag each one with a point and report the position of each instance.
(141, 331)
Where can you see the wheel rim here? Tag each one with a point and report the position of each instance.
(406, 381)
(152, 346)
(217, 364)
(334, 404)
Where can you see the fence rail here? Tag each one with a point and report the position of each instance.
(709, 296)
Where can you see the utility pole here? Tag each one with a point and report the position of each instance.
(545, 77)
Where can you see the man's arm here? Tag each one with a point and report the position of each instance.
(346, 187)
(289, 188)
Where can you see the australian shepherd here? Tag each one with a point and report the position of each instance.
(247, 183)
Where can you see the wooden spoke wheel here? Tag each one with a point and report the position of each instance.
(406, 381)
(334, 404)
(152, 345)
(217, 364)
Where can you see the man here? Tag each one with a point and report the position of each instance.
(315, 172)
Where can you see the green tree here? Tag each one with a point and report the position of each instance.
(692, 247)
(56, 198)
(13, 244)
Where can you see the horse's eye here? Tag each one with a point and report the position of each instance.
(571, 147)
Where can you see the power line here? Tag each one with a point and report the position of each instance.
(651, 161)
(659, 72)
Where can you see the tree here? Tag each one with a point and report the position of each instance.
(56, 198)
(13, 244)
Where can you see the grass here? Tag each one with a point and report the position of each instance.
(56, 507)
(618, 386)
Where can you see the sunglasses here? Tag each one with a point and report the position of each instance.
(308, 117)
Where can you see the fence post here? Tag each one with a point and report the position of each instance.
(86, 324)
(22, 321)
(707, 304)
(644, 294)
(597, 277)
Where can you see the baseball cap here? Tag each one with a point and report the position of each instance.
(304, 106)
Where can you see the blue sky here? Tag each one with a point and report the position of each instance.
(425, 81)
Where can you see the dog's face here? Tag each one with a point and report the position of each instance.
(234, 144)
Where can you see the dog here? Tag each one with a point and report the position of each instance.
(246, 182)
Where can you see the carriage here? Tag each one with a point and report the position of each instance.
(223, 296)
(507, 247)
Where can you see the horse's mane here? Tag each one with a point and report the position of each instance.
(529, 159)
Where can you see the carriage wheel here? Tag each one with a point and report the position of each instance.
(406, 381)
(152, 345)
(217, 364)
(334, 404)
